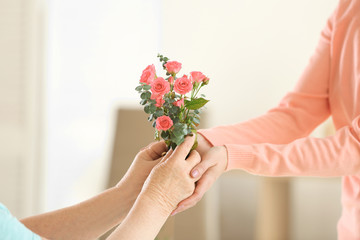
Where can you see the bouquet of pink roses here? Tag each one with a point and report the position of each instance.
(174, 114)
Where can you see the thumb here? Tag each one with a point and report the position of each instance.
(207, 162)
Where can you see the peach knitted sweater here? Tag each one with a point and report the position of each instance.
(277, 143)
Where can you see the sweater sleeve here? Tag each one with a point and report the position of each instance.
(338, 155)
(297, 115)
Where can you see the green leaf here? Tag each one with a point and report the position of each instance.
(165, 135)
(159, 113)
(180, 129)
(173, 145)
(145, 95)
(197, 111)
(139, 88)
(151, 117)
(196, 103)
(151, 101)
(177, 139)
(147, 109)
(152, 108)
(143, 101)
(146, 87)
(156, 135)
(174, 110)
(196, 120)
(154, 124)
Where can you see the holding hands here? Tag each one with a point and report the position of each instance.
(168, 183)
(213, 164)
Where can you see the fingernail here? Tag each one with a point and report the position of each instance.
(195, 173)
(175, 212)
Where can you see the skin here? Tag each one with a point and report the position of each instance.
(213, 164)
(142, 200)
(168, 184)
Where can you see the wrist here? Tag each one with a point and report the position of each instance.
(158, 200)
(129, 193)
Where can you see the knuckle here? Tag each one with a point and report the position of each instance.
(196, 155)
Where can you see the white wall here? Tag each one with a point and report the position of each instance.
(97, 50)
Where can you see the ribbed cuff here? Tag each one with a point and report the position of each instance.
(239, 156)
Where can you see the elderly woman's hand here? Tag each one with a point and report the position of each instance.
(142, 165)
(170, 181)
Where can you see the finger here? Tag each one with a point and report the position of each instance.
(206, 163)
(154, 150)
(202, 186)
(183, 149)
(167, 156)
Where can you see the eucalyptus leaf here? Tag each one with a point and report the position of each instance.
(146, 87)
(159, 113)
(145, 95)
(143, 101)
(180, 129)
(152, 108)
(151, 101)
(177, 139)
(174, 110)
(147, 109)
(165, 135)
(139, 88)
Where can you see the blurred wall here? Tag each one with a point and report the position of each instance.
(21, 105)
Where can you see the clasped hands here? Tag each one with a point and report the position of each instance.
(176, 181)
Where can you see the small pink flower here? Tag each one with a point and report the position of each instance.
(198, 77)
(148, 75)
(163, 123)
(183, 85)
(179, 103)
(160, 86)
(171, 80)
(159, 100)
(173, 67)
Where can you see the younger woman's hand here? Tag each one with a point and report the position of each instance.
(213, 164)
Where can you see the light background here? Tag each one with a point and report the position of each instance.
(94, 52)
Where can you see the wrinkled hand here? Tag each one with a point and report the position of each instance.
(142, 165)
(170, 181)
(213, 164)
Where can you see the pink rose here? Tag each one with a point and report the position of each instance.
(179, 103)
(148, 75)
(159, 100)
(173, 67)
(198, 77)
(183, 85)
(160, 86)
(163, 123)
